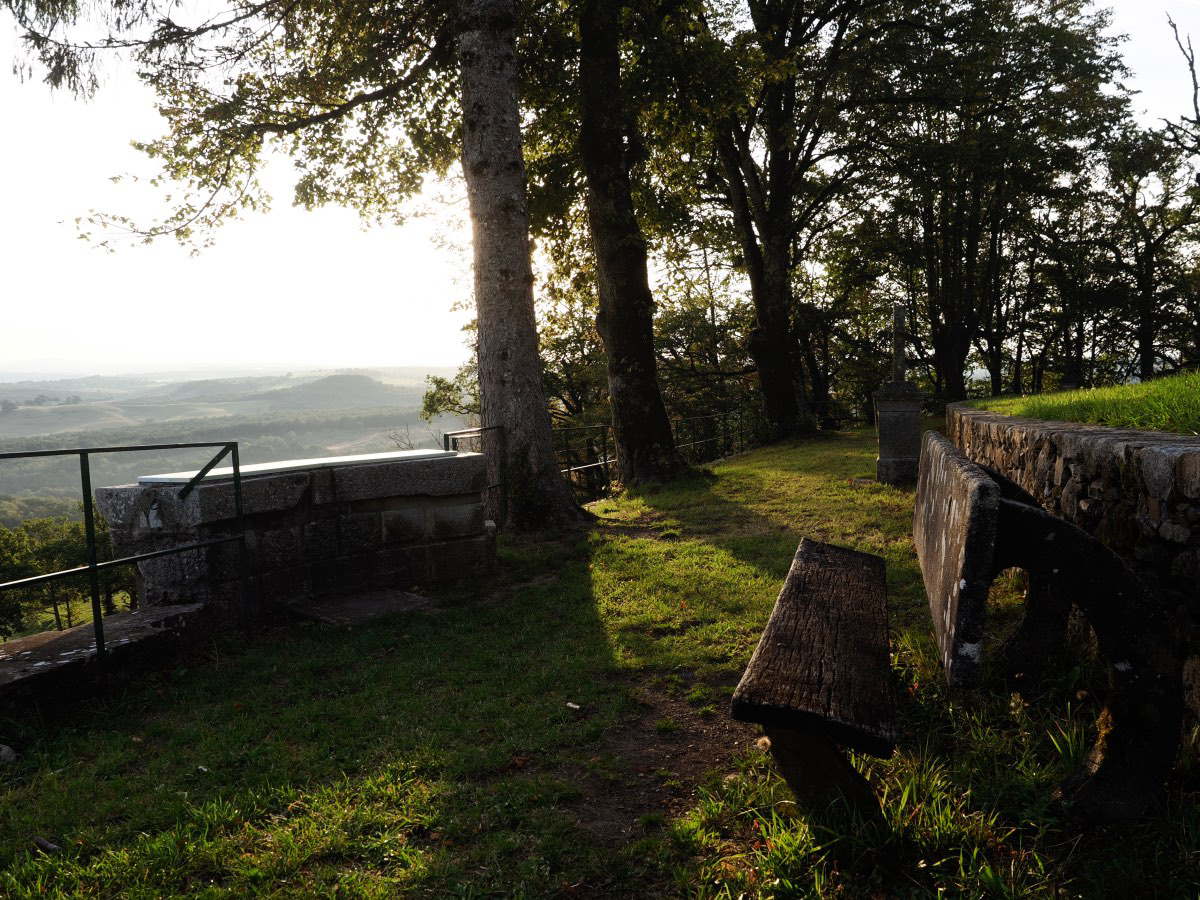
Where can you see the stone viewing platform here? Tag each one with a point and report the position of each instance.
(314, 528)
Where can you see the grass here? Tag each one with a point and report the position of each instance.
(478, 751)
(1165, 404)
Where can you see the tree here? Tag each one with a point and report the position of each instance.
(1155, 208)
(366, 101)
(645, 446)
(996, 103)
(16, 562)
(781, 153)
(509, 372)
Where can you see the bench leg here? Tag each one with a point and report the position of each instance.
(818, 774)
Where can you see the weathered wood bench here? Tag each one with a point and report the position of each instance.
(821, 676)
(970, 524)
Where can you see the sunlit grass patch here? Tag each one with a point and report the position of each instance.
(1165, 404)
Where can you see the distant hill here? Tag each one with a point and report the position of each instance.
(91, 389)
(220, 389)
(347, 391)
(75, 409)
(33, 420)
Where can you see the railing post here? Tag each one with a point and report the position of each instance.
(243, 554)
(89, 526)
(604, 458)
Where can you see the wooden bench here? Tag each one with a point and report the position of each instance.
(821, 676)
(970, 524)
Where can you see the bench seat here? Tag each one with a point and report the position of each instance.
(821, 675)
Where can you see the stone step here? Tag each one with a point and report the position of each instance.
(55, 668)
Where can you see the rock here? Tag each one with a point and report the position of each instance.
(1180, 534)
(8, 755)
(1188, 473)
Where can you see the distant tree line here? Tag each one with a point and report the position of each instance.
(726, 197)
(38, 546)
(9, 405)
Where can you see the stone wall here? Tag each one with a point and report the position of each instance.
(309, 532)
(1136, 491)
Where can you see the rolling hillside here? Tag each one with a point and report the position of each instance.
(271, 417)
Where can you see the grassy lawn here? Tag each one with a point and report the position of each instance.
(564, 731)
(1166, 404)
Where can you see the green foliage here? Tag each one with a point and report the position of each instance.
(15, 510)
(363, 110)
(16, 562)
(39, 546)
(1165, 404)
(458, 396)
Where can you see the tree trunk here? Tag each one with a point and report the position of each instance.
(1018, 386)
(645, 448)
(770, 343)
(1145, 324)
(510, 380)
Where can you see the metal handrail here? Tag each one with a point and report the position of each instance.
(737, 428)
(450, 441)
(94, 566)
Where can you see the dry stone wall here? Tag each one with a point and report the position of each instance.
(309, 533)
(1136, 491)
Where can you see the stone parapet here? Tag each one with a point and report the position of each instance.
(311, 532)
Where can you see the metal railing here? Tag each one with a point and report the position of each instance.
(587, 453)
(451, 440)
(94, 565)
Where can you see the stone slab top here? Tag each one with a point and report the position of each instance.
(954, 530)
(290, 465)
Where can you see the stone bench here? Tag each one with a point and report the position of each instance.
(314, 528)
(821, 676)
(970, 524)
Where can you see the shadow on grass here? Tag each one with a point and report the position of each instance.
(418, 753)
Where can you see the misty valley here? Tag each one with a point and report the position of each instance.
(272, 417)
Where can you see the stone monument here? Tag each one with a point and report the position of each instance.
(898, 416)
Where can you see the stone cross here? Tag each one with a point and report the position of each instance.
(898, 342)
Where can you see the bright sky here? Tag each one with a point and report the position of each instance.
(285, 290)
(288, 290)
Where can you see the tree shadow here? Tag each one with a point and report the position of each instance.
(427, 753)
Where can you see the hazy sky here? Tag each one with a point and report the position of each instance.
(285, 290)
